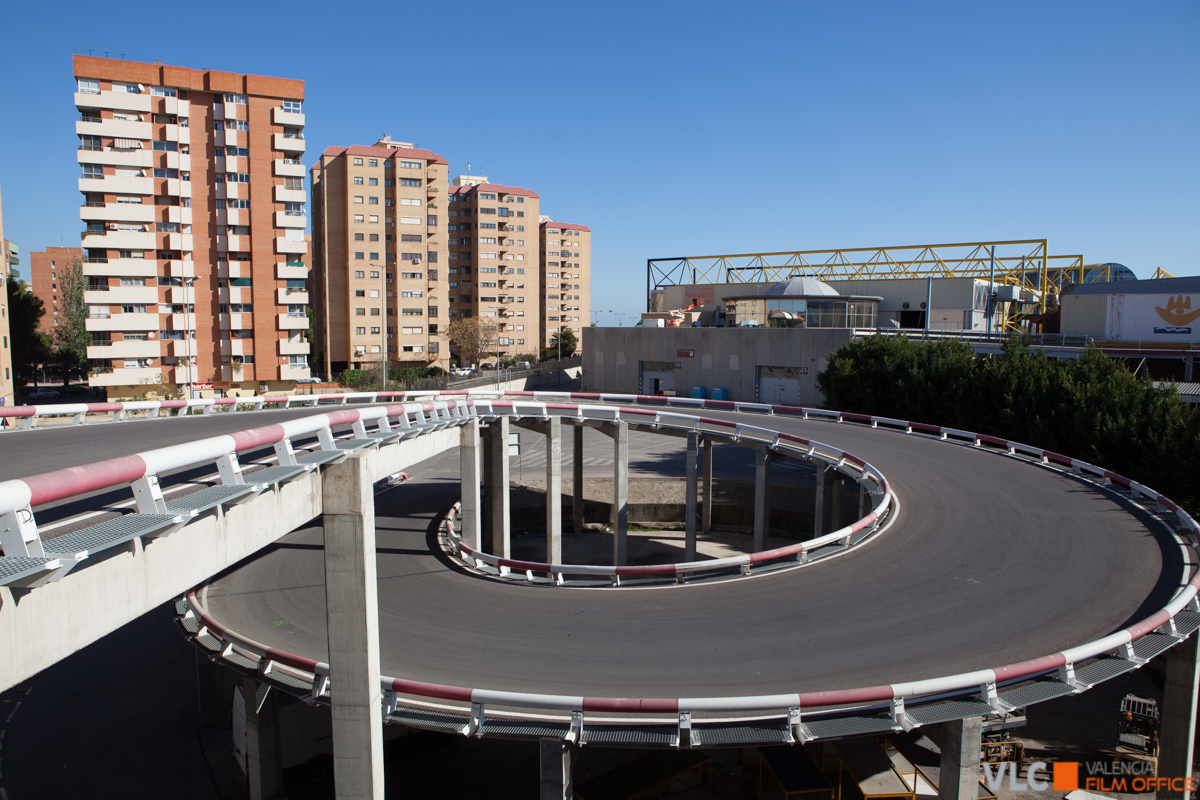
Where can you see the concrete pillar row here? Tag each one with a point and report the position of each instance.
(557, 764)
(553, 430)
(352, 609)
(762, 497)
(960, 742)
(577, 480)
(264, 761)
(501, 479)
(689, 546)
(471, 478)
(706, 512)
(1177, 737)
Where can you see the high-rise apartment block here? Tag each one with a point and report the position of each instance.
(194, 202)
(379, 257)
(7, 378)
(494, 260)
(565, 277)
(44, 269)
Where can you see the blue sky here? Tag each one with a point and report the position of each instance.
(694, 128)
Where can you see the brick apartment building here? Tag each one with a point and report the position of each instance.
(379, 257)
(565, 276)
(493, 266)
(44, 267)
(194, 204)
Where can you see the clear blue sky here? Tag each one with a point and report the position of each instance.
(693, 128)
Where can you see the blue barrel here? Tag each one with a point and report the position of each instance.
(719, 393)
(697, 392)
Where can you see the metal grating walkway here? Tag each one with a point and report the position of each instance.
(848, 726)
(18, 568)
(108, 534)
(945, 712)
(207, 499)
(1035, 692)
(428, 720)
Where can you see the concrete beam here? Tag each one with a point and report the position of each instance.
(577, 481)
(620, 509)
(689, 546)
(1177, 738)
(501, 479)
(352, 608)
(264, 761)
(706, 506)
(470, 477)
(557, 764)
(762, 497)
(554, 490)
(960, 742)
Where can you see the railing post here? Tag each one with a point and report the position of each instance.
(352, 607)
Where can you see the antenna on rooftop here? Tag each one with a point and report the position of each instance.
(89, 52)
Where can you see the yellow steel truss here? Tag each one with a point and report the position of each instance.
(1021, 262)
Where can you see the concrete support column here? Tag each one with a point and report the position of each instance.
(819, 503)
(620, 510)
(501, 478)
(577, 480)
(835, 510)
(1177, 738)
(264, 763)
(486, 487)
(468, 459)
(693, 453)
(554, 490)
(352, 608)
(706, 512)
(557, 762)
(762, 497)
(960, 743)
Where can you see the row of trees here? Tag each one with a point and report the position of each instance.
(66, 346)
(476, 339)
(1091, 408)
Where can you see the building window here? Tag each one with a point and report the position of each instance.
(411, 164)
(291, 106)
(358, 273)
(358, 237)
(359, 218)
(89, 86)
(360, 312)
(360, 292)
(359, 255)
(358, 162)
(358, 199)
(358, 180)
(410, 181)
(373, 181)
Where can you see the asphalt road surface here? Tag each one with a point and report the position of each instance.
(991, 561)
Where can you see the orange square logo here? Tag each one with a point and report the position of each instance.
(1066, 776)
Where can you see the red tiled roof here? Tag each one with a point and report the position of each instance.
(383, 152)
(568, 226)
(494, 187)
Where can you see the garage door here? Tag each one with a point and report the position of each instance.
(657, 377)
(779, 385)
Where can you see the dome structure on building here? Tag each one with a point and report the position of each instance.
(802, 287)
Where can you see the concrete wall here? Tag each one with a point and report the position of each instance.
(41, 626)
(1084, 315)
(723, 357)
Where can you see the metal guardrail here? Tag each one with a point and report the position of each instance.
(997, 690)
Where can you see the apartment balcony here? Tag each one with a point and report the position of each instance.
(290, 219)
(120, 240)
(127, 377)
(288, 144)
(181, 269)
(170, 133)
(294, 372)
(179, 214)
(293, 270)
(284, 246)
(120, 295)
(287, 167)
(283, 195)
(234, 163)
(233, 244)
(288, 347)
(118, 212)
(432, 174)
(179, 241)
(231, 138)
(233, 216)
(122, 322)
(123, 267)
(289, 322)
(125, 349)
(181, 294)
(117, 158)
(118, 101)
(291, 297)
(117, 128)
(117, 184)
(184, 374)
(178, 188)
(290, 118)
(236, 322)
(180, 348)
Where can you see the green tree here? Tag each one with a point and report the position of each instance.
(569, 342)
(29, 346)
(71, 336)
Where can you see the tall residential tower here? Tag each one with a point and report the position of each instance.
(566, 278)
(194, 203)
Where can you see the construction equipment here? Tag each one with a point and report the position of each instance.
(1137, 733)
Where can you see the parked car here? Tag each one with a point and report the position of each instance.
(523, 365)
(42, 394)
(313, 379)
